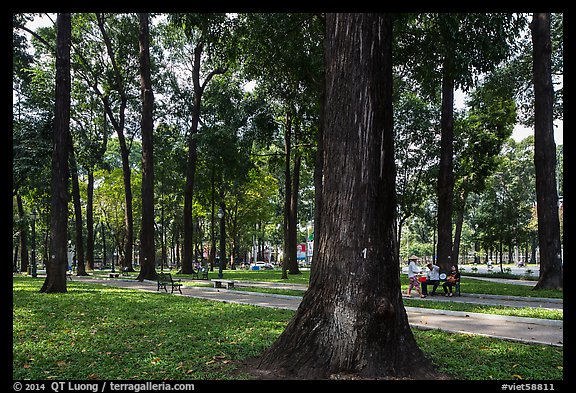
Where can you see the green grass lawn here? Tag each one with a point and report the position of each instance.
(100, 332)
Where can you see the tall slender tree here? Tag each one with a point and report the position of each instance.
(351, 321)
(207, 30)
(56, 265)
(147, 250)
(545, 156)
(119, 83)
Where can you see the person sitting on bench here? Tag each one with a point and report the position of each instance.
(432, 278)
(451, 280)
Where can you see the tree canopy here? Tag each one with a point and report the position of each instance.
(237, 120)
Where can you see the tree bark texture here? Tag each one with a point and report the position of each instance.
(57, 263)
(352, 321)
(147, 249)
(551, 276)
(446, 173)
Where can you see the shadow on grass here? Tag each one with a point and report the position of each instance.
(98, 332)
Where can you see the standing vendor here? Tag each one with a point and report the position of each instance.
(413, 271)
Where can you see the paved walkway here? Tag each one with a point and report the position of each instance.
(520, 329)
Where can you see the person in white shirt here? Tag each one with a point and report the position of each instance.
(432, 278)
(413, 271)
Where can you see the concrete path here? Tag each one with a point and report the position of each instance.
(519, 329)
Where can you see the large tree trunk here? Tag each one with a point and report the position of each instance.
(446, 174)
(56, 265)
(551, 276)
(351, 321)
(147, 249)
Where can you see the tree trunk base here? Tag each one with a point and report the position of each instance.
(354, 335)
(251, 368)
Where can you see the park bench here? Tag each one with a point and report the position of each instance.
(114, 275)
(456, 287)
(201, 274)
(69, 275)
(165, 279)
(219, 282)
(125, 272)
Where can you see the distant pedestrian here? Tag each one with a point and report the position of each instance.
(413, 271)
(432, 278)
(451, 280)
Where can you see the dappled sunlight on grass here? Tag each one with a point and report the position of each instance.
(98, 332)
